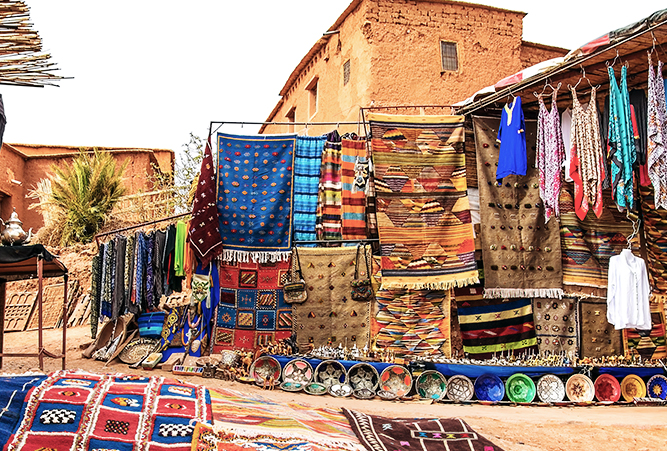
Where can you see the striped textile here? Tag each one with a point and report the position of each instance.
(354, 177)
(653, 346)
(426, 233)
(307, 163)
(329, 202)
(491, 326)
(655, 233)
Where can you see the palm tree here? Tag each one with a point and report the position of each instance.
(86, 192)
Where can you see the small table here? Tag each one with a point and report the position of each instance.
(26, 262)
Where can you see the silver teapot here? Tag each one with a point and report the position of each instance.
(13, 233)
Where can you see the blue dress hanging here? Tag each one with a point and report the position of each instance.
(512, 138)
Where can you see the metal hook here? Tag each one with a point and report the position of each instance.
(615, 58)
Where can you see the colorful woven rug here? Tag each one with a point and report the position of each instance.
(413, 322)
(588, 245)
(329, 198)
(306, 185)
(655, 233)
(244, 420)
(521, 253)
(598, 337)
(556, 326)
(81, 411)
(493, 326)
(252, 309)
(13, 391)
(389, 434)
(255, 196)
(354, 178)
(426, 233)
(330, 315)
(651, 345)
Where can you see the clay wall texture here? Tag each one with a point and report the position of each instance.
(395, 59)
(31, 163)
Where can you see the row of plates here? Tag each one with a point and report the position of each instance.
(395, 381)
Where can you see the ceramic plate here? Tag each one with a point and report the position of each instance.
(520, 388)
(607, 388)
(657, 387)
(396, 379)
(580, 388)
(460, 388)
(363, 393)
(431, 384)
(340, 390)
(315, 389)
(386, 395)
(489, 387)
(298, 371)
(363, 376)
(265, 367)
(633, 387)
(550, 388)
(291, 386)
(330, 372)
(137, 350)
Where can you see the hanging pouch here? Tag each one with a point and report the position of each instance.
(295, 289)
(362, 289)
(201, 288)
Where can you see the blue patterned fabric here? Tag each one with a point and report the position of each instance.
(306, 181)
(13, 391)
(255, 196)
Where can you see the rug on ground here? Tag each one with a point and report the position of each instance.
(423, 214)
(13, 391)
(388, 434)
(252, 310)
(521, 253)
(255, 196)
(80, 411)
(244, 420)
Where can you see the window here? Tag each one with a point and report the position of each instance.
(346, 72)
(291, 117)
(449, 56)
(312, 97)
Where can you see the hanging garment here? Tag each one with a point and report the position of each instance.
(307, 164)
(140, 273)
(329, 201)
(150, 279)
(158, 272)
(656, 147)
(628, 292)
(644, 179)
(566, 128)
(549, 158)
(639, 102)
(586, 157)
(118, 298)
(179, 251)
(512, 139)
(128, 277)
(354, 178)
(620, 142)
(96, 291)
(204, 234)
(107, 273)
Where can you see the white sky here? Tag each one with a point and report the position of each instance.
(147, 72)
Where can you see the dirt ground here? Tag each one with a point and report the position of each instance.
(520, 428)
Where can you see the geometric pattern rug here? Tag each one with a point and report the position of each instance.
(413, 322)
(556, 326)
(245, 420)
(82, 411)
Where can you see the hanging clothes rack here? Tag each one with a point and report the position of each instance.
(305, 124)
(138, 226)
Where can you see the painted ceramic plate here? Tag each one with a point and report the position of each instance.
(550, 388)
(489, 387)
(607, 388)
(632, 386)
(330, 372)
(396, 379)
(315, 389)
(137, 350)
(291, 386)
(265, 367)
(580, 388)
(363, 393)
(460, 388)
(431, 384)
(298, 371)
(657, 387)
(340, 390)
(520, 388)
(363, 376)
(386, 395)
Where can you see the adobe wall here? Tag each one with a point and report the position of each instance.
(532, 53)
(13, 195)
(406, 62)
(337, 102)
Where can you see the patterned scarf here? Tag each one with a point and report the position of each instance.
(657, 134)
(255, 196)
(354, 178)
(204, 235)
(329, 201)
(307, 164)
(424, 220)
(95, 291)
(621, 143)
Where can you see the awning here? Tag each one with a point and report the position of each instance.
(20, 262)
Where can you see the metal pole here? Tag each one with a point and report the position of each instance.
(3, 292)
(40, 282)
(65, 319)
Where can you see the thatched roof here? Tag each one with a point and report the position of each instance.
(22, 61)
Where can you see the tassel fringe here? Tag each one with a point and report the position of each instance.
(494, 293)
(443, 285)
(234, 256)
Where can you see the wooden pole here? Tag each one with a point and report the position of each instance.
(66, 278)
(40, 282)
(3, 292)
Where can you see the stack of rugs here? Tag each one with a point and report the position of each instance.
(81, 411)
